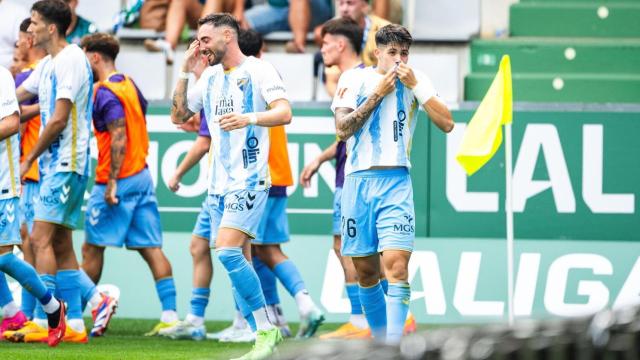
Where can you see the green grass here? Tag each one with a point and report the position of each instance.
(124, 340)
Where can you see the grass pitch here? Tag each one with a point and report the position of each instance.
(125, 340)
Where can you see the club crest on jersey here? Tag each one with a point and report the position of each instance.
(242, 83)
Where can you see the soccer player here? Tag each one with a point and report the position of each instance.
(376, 109)
(122, 208)
(64, 85)
(241, 99)
(24, 273)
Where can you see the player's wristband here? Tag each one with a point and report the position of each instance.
(183, 75)
(253, 118)
(423, 92)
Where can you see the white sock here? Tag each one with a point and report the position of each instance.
(169, 316)
(359, 321)
(10, 310)
(76, 324)
(52, 306)
(43, 323)
(262, 321)
(271, 313)
(95, 300)
(239, 322)
(194, 320)
(305, 303)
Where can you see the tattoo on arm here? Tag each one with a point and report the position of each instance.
(118, 132)
(180, 112)
(349, 121)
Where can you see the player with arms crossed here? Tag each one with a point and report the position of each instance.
(376, 109)
(241, 99)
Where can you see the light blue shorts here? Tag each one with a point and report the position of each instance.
(10, 222)
(265, 18)
(134, 222)
(337, 212)
(61, 197)
(202, 228)
(240, 209)
(274, 226)
(377, 212)
(30, 194)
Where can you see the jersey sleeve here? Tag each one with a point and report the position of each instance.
(32, 82)
(70, 74)
(8, 100)
(271, 87)
(347, 91)
(195, 93)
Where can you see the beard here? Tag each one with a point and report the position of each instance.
(215, 56)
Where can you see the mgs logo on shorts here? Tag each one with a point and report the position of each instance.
(239, 202)
(405, 227)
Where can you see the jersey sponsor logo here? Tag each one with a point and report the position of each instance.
(276, 88)
(250, 154)
(240, 203)
(8, 103)
(224, 106)
(405, 228)
(398, 125)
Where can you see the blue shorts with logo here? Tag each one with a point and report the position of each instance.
(134, 222)
(202, 229)
(239, 209)
(337, 211)
(61, 197)
(377, 212)
(274, 226)
(10, 222)
(30, 194)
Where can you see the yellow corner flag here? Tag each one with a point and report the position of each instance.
(483, 135)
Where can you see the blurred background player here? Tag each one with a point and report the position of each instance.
(79, 26)
(122, 208)
(63, 83)
(377, 193)
(18, 269)
(241, 99)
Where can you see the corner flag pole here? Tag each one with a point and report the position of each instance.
(509, 212)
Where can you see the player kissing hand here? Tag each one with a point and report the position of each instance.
(233, 121)
(406, 75)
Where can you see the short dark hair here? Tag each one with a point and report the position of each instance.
(24, 25)
(250, 42)
(104, 44)
(346, 27)
(393, 34)
(55, 12)
(221, 19)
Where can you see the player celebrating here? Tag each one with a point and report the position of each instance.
(63, 83)
(122, 209)
(376, 111)
(235, 98)
(9, 214)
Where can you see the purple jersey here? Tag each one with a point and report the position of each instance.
(204, 129)
(20, 78)
(107, 108)
(341, 159)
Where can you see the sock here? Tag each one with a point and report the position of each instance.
(166, 289)
(271, 313)
(26, 275)
(88, 291)
(76, 324)
(353, 292)
(69, 286)
(169, 316)
(262, 320)
(5, 292)
(51, 306)
(243, 277)
(244, 309)
(267, 281)
(50, 283)
(194, 320)
(385, 285)
(28, 303)
(239, 322)
(10, 310)
(289, 276)
(199, 301)
(397, 307)
(373, 304)
(305, 304)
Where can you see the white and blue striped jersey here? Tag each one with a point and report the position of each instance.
(9, 147)
(67, 76)
(385, 138)
(240, 157)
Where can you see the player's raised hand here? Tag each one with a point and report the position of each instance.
(308, 172)
(110, 192)
(191, 57)
(233, 121)
(406, 75)
(387, 84)
(174, 183)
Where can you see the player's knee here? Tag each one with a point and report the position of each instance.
(368, 275)
(397, 271)
(199, 248)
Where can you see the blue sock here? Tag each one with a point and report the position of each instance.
(5, 292)
(397, 309)
(353, 292)
(166, 289)
(243, 277)
(289, 276)
(242, 306)
(267, 281)
(69, 287)
(50, 282)
(87, 288)
(26, 275)
(199, 301)
(28, 305)
(375, 310)
(385, 285)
